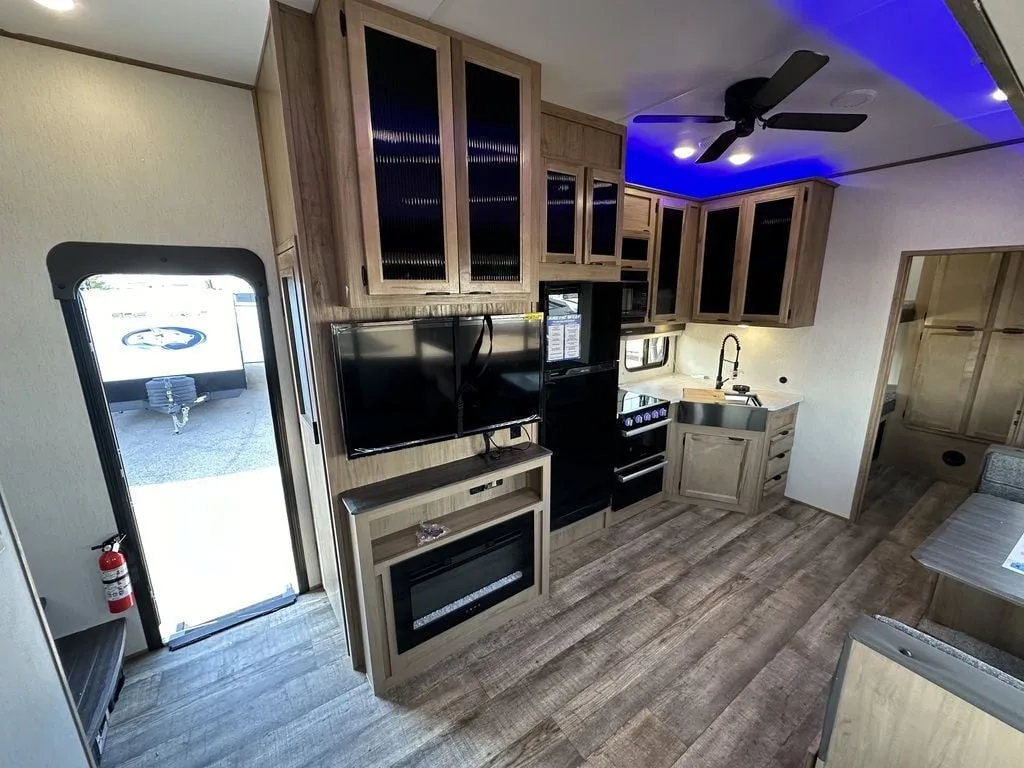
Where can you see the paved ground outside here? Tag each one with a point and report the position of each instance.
(209, 504)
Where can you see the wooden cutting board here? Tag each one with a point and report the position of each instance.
(703, 395)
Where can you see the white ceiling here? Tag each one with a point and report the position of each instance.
(614, 59)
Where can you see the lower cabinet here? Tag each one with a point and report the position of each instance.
(738, 470)
(717, 468)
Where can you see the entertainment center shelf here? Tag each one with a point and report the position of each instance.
(421, 602)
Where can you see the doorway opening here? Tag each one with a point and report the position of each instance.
(951, 382)
(181, 361)
(176, 360)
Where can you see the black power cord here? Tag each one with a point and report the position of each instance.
(494, 451)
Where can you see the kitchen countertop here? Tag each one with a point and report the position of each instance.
(671, 388)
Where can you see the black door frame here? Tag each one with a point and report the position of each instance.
(72, 262)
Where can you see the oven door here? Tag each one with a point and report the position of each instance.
(640, 443)
(434, 591)
(636, 294)
(638, 482)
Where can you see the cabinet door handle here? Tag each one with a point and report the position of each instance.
(781, 456)
(438, 293)
(1013, 330)
(738, 439)
(777, 477)
(474, 293)
(783, 433)
(964, 328)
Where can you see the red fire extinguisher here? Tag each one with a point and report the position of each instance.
(117, 585)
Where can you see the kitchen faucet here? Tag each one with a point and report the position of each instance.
(719, 381)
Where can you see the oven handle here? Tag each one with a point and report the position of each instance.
(644, 428)
(645, 471)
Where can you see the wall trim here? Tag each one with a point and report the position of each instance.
(122, 59)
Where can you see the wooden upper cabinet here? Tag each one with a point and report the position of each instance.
(1010, 310)
(402, 100)
(717, 257)
(585, 191)
(603, 210)
(495, 144)
(760, 256)
(447, 155)
(672, 276)
(769, 259)
(564, 212)
(942, 380)
(962, 289)
(638, 212)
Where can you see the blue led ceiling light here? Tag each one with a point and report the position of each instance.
(916, 42)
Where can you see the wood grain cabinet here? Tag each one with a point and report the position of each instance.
(447, 158)
(675, 251)
(584, 201)
(738, 470)
(718, 468)
(968, 374)
(760, 256)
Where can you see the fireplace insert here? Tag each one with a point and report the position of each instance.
(446, 586)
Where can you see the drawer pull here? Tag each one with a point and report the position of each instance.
(738, 439)
(777, 477)
(781, 456)
(783, 433)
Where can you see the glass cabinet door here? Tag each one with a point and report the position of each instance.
(494, 148)
(564, 213)
(773, 227)
(402, 97)
(671, 218)
(721, 228)
(604, 209)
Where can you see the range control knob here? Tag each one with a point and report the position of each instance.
(647, 416)
(663, 412)
(629, 421)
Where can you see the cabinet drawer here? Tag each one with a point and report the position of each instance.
(777, 464)
(775, 483)
(781, 419)
(781, 441)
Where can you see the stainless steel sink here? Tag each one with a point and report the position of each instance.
(737, 412)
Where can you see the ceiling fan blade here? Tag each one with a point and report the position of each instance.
(797, 70)
(815, 121)
(679, 119)
(718, 147)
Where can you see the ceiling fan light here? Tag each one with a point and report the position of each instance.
(684, 151)
(739, 158)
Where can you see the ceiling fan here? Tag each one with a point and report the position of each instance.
(747, 101)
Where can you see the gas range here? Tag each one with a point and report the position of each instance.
(636, 410)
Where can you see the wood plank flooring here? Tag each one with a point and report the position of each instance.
(683, 637)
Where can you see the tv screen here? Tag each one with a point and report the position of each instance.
(499, 370)
(397, 382)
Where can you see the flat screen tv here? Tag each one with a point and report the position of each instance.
(410, 382)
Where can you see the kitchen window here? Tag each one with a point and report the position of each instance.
(644, 354)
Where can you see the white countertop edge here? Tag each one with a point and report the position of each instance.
(671, 388)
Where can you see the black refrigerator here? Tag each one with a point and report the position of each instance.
(581, 373)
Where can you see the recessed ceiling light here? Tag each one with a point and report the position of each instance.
(739, 158)
(999, 95)
(684, 152)
(57, 5)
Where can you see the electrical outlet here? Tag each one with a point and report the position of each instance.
(515, 431)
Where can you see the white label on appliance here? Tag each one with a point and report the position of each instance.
(572, 339)
(556, 341)
(1015, 560)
